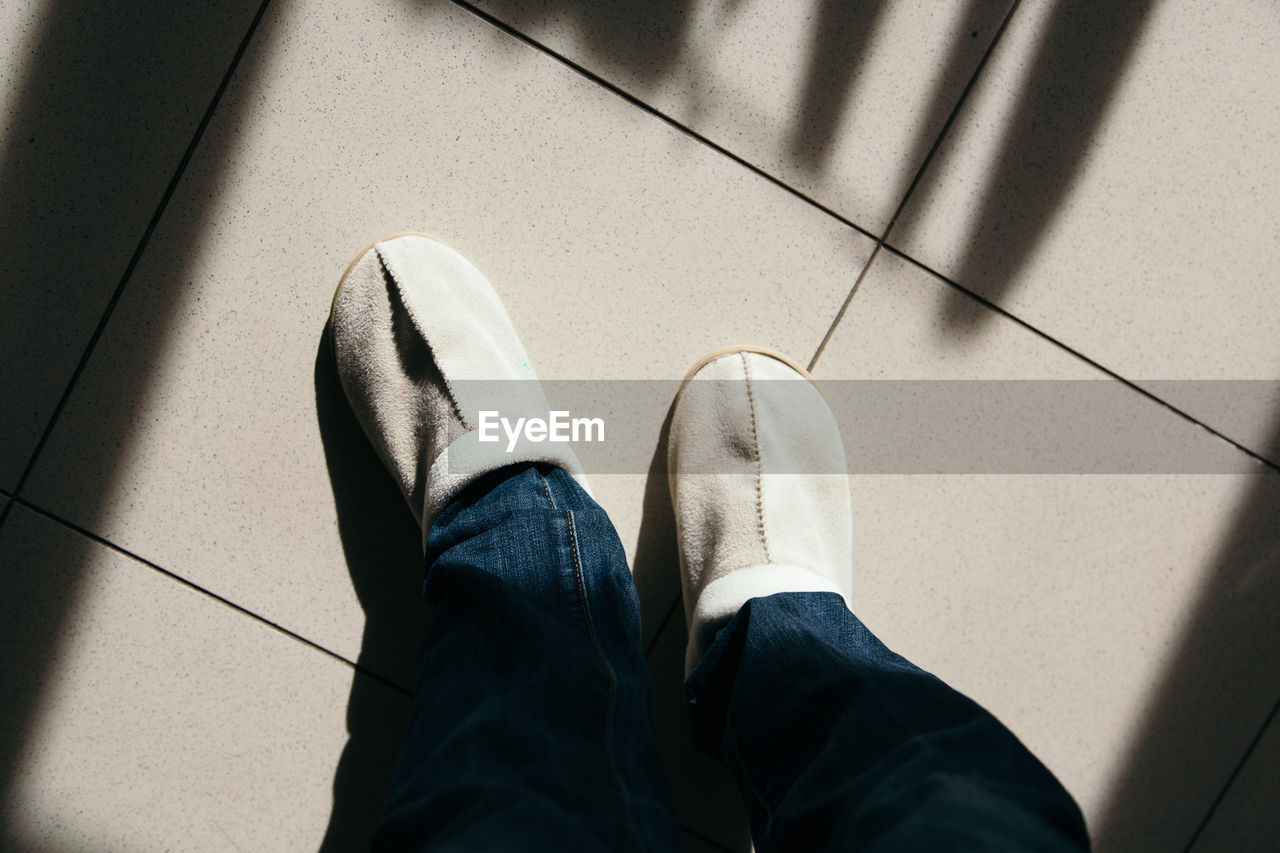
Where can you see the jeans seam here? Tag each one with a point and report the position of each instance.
(546, 490)
(613, 680)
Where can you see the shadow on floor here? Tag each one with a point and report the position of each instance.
(1077, 67)
(707, 799)
(1217, 690)
(842, 37)
(1076, 70)
(383, 550)
(643, 42)
(90, 126)
(110, 97)
(645, 36)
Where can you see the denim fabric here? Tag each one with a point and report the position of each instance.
(532, 722)
(837, 743)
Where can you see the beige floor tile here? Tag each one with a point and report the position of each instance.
(1246, 820)
(1113, 623)
(841, 101)
(98, 102)
(143, 715)
(893, 330)
(208, 434)
(1121, 624)
(976, 393)
(1110, 180)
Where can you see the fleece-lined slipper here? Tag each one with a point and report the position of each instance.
(759, 486)
(423, 345)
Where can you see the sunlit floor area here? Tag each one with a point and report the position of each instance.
(210, 584)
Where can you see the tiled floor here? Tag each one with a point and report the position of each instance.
(210, 615)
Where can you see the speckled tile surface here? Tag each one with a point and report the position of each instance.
(1121, 624)
(1112, 622)
(842, 101)
(1112, 186)
(1110, 181)
(893, 330)
(1246, 819)
(98, 102)
(208, 434)
(147, 716)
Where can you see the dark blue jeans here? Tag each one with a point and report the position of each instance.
(532, 721)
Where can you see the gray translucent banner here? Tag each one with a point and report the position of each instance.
(887, 426)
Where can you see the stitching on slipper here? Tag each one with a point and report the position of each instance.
(755, 435)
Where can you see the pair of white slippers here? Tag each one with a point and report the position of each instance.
(756, 466)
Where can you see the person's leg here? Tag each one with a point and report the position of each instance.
(532, 725)
(837, 743)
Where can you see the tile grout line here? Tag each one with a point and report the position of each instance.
(226, 602)
(386, 682)
(844, 306)
(1217, 801)
(136, 257)
(881, 241)
(656, 113)
(986, 303)
(915, 181)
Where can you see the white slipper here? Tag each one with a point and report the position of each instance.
(423, 345)
(759, 486)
